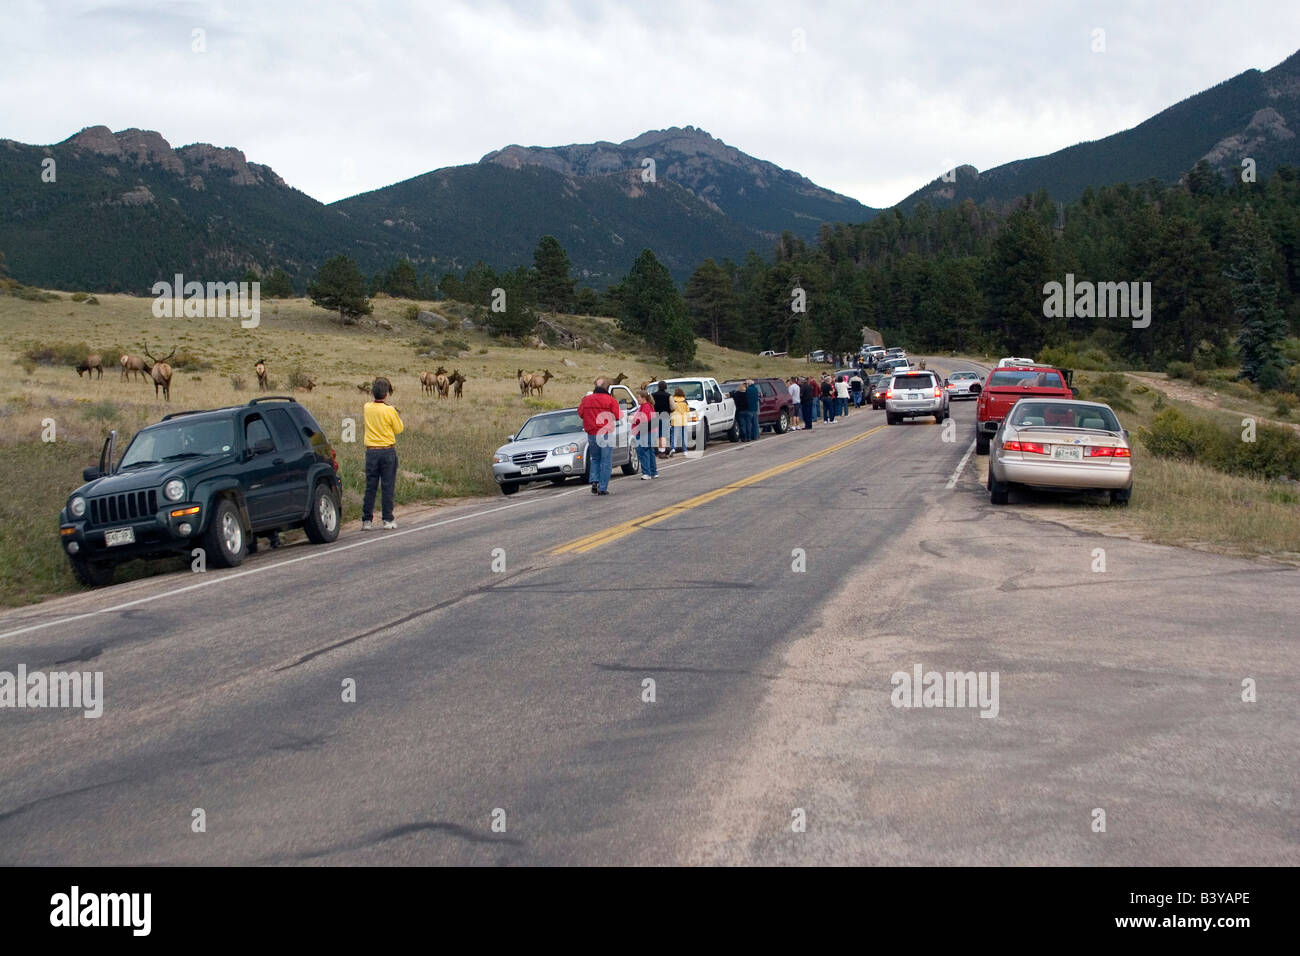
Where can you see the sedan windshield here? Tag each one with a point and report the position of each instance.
(544, 426)
(1064, 415)
(180, 439)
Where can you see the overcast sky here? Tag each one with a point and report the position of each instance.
(869, 99)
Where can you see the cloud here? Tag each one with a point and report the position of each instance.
(342, 97)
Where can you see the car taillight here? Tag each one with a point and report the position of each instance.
(889, 393)
(1029, 446)
(1105, 451)
(334, 459)
(938, 392)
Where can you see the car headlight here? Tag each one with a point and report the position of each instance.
(569, 449)
(500, 459)
(77, 506)
(174, 490)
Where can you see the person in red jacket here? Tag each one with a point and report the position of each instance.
(600, 410)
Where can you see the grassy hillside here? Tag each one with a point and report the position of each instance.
(445, 452)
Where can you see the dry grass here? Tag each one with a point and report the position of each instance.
(444, 453)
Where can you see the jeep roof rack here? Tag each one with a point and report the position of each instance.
(273, 398)
(192, 411)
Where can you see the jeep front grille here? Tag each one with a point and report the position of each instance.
(124, 507)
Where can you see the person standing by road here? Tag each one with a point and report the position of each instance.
(808, 402)
(600, 410)
(795, 405)
(383, 425)
(643, 435)
(855, 389)
(741, 399)
(842, 395)
(754, 401)
(678, 418)
(828, 400)
(663, 409)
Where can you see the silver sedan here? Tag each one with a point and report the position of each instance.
(1061, 445)
(964, 384)
(553, 446)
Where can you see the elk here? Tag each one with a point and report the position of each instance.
(538, 382)
(458, 381)
(523, 383)
(305, 388)
(620, 380)
(133, 365)
(161, 373)
(429, 379)
(93, 363)
(262, 384)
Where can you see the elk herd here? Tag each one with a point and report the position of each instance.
(439, 382)
(147, 367)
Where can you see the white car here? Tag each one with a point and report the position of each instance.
(713, 413)
(1006, 362)
(964, 384)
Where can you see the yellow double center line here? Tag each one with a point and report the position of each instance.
(601, 538)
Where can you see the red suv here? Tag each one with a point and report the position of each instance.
(775, 410)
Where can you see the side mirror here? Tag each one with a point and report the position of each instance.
(262, 447)
(91, 473)
(510, 438)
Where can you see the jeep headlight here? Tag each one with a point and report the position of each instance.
(77, 506)
(174, 490)
(569, 449)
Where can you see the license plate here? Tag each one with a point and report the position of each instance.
(913, 395)
(120, 536)
(527, 469)
(1067, 452)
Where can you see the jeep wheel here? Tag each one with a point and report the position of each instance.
(322, 524)
(782, 422)
(224, 539)
(981, 443)
(92, 574)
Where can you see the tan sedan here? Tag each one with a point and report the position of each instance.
(1061, 445)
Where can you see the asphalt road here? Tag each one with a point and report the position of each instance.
(516, 695)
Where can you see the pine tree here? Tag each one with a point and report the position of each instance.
(1254, 295)
(554, 286)
(710, 302)
(649, 285)
(340, 287)
(278, 285)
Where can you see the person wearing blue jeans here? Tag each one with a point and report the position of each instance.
(599, 411)
(754, 402)
(643, 434)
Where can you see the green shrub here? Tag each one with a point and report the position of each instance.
(1178, 369)
(298, 378)
(1173, 434)
(1110, 388)
(410, 312)
(1274, 452)
(1058, 358)
(91, 300)
(80, 296)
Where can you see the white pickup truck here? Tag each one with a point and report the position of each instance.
(713, 414)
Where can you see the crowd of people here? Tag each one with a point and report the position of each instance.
(832, 396)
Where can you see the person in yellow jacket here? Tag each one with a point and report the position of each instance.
(383, 425)
(678, 416)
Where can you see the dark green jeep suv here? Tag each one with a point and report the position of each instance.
(209, 479)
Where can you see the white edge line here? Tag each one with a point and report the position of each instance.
(283, 564)
(952, 482)
(220, 578)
